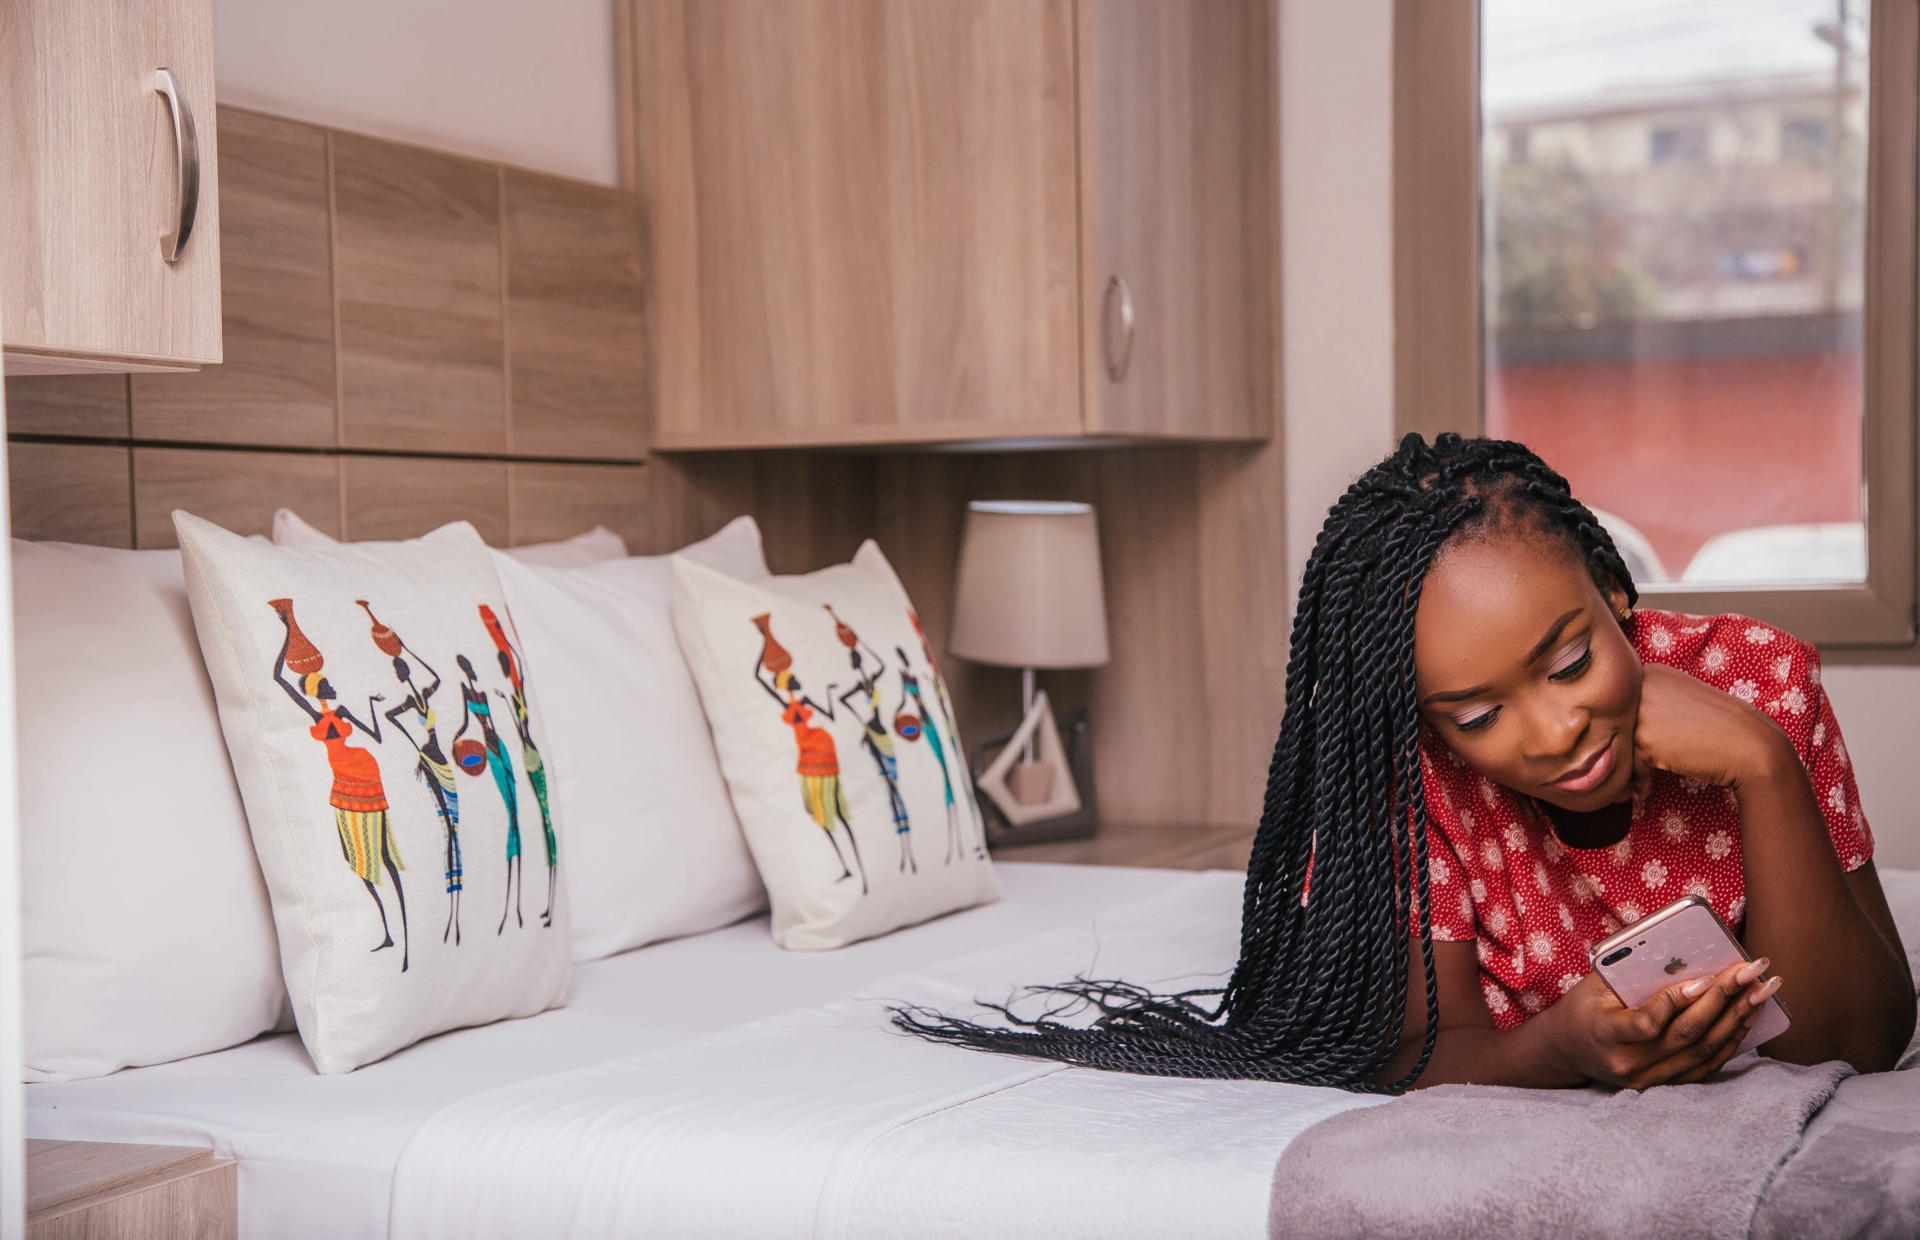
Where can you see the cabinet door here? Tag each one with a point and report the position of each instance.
(863, 219)
(1179, 119)
(89, 158)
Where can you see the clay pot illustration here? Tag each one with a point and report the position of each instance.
(773, 656)
(383, 637)
(303, 657)
(469, 755)
(847, 636)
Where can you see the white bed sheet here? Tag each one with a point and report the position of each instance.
(829, 1123)
(318, 1153)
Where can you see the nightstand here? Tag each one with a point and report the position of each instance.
(93, 1190)
(1169, 847)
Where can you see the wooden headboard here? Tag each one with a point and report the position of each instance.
(411, 337)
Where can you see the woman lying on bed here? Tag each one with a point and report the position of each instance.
(1474, 699)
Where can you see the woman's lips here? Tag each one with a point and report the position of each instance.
(1589, 774)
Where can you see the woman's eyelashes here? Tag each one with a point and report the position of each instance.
(1572, 663)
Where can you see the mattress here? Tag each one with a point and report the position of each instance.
(318, 1153)
(716, 1086)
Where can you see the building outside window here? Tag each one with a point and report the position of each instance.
(1693, 284)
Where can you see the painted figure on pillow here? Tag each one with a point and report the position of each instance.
(874, 735)
(433, 769)
(923, 725)
(510, 664)
(358, 798)
(819, 767)
(953, 729)
(481, 712)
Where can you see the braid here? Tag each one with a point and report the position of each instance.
(1318, 995)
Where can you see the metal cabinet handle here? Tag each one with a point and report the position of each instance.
(1117, 366)
(186, 164)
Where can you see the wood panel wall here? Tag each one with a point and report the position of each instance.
(410, 338)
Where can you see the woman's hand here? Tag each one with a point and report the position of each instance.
(1688, 727)
(1674, 1038)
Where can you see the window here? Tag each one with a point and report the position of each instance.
(1671, 144)
(1803, 139)
(1690, 286)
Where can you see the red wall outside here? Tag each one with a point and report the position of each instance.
(1689, 448)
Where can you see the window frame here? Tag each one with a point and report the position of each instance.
(1437, 308)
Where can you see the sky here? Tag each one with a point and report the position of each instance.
(1543, 51)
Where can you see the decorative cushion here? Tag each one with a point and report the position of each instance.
(146, 933)
(597, 544)
(388, 744)
(654, 850)
(835, 736)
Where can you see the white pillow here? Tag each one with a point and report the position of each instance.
(290, 529)
(339, 674)
(655, 849)
(846, 770)
(146, 931)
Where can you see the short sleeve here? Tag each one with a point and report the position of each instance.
(1803, 712)
(1450, 908)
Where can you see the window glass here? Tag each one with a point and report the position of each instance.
(1674, 210)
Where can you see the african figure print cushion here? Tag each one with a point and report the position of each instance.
(838, 745)
(385, 734)
(654, 851)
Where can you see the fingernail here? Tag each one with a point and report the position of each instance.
(1761, 995)
(1695, 986)
(1753, 969)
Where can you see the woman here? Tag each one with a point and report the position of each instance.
(358, 798)
(818, 766)
(536, 769)
(1486, 751)
(433, 769)
(478, 710)
(910, 684)
(874, 737)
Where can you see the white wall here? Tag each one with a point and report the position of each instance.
(1879, 713)
(523, 82)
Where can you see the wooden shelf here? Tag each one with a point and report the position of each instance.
(1163, 846)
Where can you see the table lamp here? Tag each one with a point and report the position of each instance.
(1029, 595)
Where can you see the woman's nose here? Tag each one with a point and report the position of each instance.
(1554, 730)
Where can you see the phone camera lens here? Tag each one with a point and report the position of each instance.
(1616, 956)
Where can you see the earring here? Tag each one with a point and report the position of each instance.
(1626, 614)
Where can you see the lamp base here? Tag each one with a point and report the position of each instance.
(1031, 782)
(1075, 742)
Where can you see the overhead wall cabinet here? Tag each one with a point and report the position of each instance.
(901, 221)
(110, 220)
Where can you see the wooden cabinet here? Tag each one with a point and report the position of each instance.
(97, 1190)
(96, 179)
(897, 221)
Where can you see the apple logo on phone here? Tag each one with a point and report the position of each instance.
(1675, 965)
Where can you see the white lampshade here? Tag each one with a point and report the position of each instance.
(1029, 592)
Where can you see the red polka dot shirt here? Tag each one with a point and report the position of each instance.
(1500, 876)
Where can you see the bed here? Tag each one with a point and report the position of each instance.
(716, 1085)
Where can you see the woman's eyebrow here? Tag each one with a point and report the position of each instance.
(1540, 647)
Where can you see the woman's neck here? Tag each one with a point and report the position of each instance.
(1598, 828)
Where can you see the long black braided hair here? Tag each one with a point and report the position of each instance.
(1319, 994)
